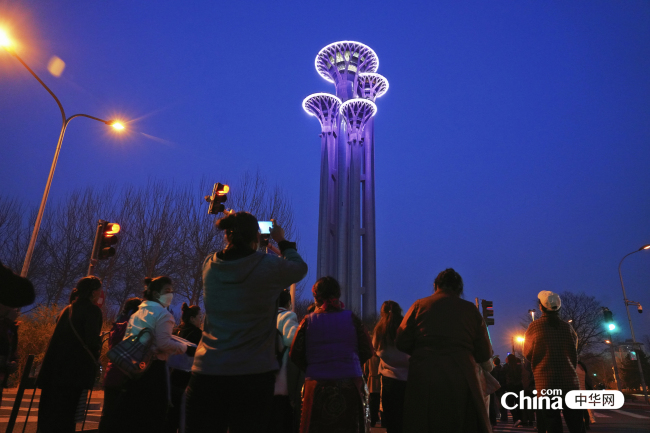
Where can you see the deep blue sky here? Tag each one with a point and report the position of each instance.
(513, 144)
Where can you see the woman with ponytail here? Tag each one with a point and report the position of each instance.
(70, 362)
(393, 368)
(233, 377)
(144, 401)
(446, 338)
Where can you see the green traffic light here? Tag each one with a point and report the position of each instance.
(612, 326)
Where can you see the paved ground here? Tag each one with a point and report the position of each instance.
(9, 397)
(633, 418)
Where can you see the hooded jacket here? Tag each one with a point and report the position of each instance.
(241, 305)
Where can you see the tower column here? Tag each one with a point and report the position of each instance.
(368, 238)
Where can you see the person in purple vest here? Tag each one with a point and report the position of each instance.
(331, 345)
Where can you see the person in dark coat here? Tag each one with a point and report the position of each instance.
(512, 373)
(8, 344)
(495, 397)
(70, 362)
(191, 331)
(446, 337)
(551, 347)
(16, 291)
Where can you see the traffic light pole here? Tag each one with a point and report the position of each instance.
(95, 251)
(616, 375)
(629, 318)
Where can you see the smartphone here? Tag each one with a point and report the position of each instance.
(265, 227)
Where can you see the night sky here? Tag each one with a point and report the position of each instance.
(513, 143)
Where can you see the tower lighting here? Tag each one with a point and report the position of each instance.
(345, 56)
(356, 113)
(325, 107)
(371, 85)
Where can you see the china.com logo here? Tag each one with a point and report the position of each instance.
(552, 399)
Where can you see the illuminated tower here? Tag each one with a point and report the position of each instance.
(346, 239)
(326, 108)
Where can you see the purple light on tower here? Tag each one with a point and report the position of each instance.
(326, 108)
(346, 239)
(341, 62)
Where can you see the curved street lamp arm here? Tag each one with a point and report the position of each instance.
(42, 84)
(620, 275)
(90, 117)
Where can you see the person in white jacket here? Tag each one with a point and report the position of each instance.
(393, 368)
(145, 400)
(287, 323)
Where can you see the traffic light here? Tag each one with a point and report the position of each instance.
(609, 319)
(488, 312)
(218, 197)
(105, 238)
(106, 249)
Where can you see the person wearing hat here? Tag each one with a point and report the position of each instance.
(551, 347)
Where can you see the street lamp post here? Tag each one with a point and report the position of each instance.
(629, 318)
(6, 43)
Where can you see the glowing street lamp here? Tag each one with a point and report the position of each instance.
(629, 317)
(6, 42)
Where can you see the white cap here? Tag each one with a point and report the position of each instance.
(551, 301)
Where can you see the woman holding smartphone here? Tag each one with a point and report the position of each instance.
(233, 377)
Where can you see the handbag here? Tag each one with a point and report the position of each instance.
(131, 355)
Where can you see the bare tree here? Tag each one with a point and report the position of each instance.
(67, 237)
(585, 314)
(165, 230)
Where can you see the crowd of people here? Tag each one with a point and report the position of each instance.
(257, 369)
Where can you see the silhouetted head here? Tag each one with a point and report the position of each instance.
(449, 281)
(389, 320)
(86, 288)
(241, 230)
(130, 306)
(326, 288)
(190, 315)
(154, 287)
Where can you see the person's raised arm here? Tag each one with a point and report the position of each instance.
(293, 268)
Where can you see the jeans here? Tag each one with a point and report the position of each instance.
(234, 404)
(393, 392)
